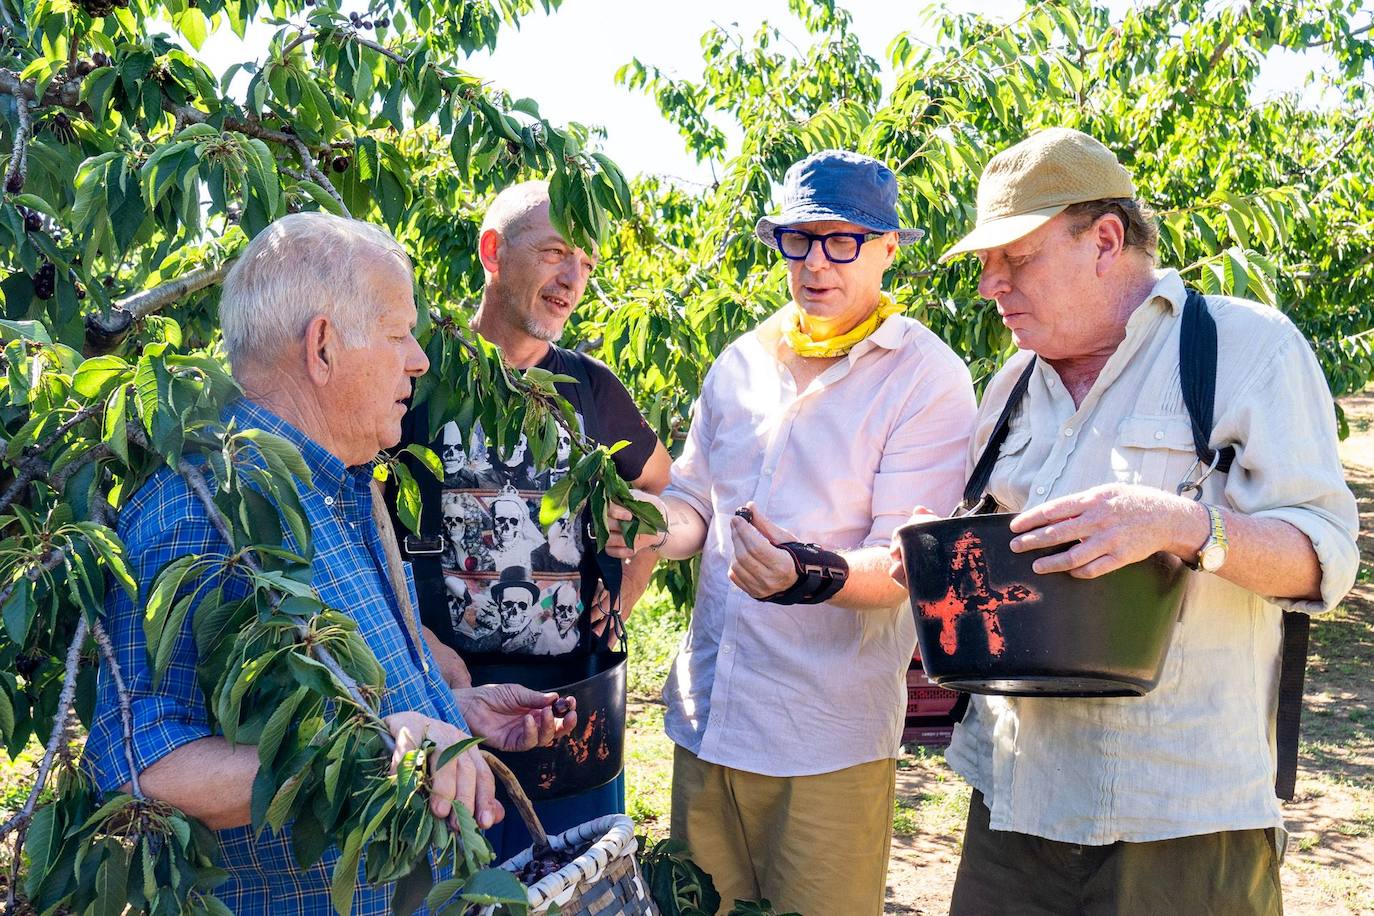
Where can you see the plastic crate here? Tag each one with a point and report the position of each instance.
(927, 708)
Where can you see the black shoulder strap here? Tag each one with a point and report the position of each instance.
(1197, 360)
(577, 368)
(424, 550)
(1197, 363)
(982, 471)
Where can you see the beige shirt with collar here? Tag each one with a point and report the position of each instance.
(1196, 755)
(807, 689)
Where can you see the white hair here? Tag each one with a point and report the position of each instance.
(301, 266)
(511, 209)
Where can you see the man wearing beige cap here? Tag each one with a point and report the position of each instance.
(1163, 803)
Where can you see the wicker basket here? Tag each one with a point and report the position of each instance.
(603, 881)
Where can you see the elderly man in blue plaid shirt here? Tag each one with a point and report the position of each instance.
(318, 318)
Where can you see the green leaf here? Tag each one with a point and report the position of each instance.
(6, 715)
(112, 883)
(96, 375)
(280, 809)
(117, 803)
(163, 615)
(111, 551)
(491, 886)
(275, 729)
(280, 454)
(412, 890)
(554, 505)
(441, 896)
(407, 498)
(428, 459)
(345, 877)
(18, 614)
(115, 428)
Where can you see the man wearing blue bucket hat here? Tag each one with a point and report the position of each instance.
(1122, 430)
(813, 437)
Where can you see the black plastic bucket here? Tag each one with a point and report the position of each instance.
(594, 753)
(988, 623)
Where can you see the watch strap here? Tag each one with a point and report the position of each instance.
(1216, 535)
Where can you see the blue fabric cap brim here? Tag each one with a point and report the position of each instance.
(765, 226)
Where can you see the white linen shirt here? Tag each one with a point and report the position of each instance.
(807, 689)
(1197, 754)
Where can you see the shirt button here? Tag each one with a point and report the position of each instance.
(725, 648)
(1159, 434)
(329, 500)
(1039, 491)
(767, 472)
(1068, 430)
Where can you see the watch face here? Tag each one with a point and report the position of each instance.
(1212, 558)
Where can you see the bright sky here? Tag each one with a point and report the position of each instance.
(567, 61)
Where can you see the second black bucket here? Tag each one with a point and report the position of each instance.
(595, 751)
(988, 623)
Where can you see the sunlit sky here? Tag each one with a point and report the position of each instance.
(566, 61)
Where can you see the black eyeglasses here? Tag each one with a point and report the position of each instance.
(838, 247)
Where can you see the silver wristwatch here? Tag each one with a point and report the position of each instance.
(1212, 554)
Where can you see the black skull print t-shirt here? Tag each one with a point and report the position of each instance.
(511, 586)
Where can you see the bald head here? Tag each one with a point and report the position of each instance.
(517, 208)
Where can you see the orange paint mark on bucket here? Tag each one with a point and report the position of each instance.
(969, 593)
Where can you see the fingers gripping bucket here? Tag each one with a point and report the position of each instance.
(988, 623)
(602, 881)
(594, 753)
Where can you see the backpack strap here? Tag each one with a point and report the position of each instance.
(982, 471)
(1197, 360)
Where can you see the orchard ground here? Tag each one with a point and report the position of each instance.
(1329, 869)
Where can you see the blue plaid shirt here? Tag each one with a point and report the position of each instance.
(164, 521)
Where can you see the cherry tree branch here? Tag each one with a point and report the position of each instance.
(126, 714)
(313, 171)
(19, 159)
(59, 728)
(143, 304)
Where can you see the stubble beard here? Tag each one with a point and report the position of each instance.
(539, 331)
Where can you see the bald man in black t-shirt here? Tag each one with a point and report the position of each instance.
(514, 590)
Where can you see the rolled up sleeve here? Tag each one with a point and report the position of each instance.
(923, 460)
(1288, 467)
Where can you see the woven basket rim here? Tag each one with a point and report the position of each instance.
(617, 840)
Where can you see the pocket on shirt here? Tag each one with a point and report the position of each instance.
(1154, 451)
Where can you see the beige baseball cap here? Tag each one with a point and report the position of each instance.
(1026, 185)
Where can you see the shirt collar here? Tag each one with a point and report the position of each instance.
(327, 471)
(1169, 286)
(888, 336)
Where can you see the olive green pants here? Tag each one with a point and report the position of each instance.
(815, 845)
(1235, 873)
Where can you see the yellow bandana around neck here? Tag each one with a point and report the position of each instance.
(803, 344)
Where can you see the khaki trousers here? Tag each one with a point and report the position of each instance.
(815, 845)
(1001, 873)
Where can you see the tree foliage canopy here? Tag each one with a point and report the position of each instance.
(133, 175)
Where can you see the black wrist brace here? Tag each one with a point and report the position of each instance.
(820, 574)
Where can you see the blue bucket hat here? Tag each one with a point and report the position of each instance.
(838, 185)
